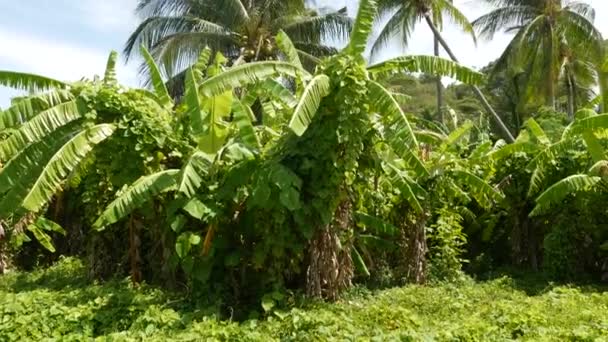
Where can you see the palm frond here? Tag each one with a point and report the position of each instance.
(504, 18)
(140, 192)
(155, 28)
(457, 18)
(316, 28)
(309, 102)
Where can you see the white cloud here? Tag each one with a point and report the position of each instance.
(108, 15)
(57, 59)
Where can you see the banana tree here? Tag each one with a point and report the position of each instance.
(333, 122)
(49, 134)
(425, 181)
(591, 131)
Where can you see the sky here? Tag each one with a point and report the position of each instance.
(71, 39)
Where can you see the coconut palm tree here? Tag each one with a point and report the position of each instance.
(544, 29)
(176, 31)
(407, 13)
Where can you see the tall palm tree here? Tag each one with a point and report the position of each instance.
(407, 13)
(176, 31)
(544, 29)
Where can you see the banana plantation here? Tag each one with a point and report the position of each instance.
(266, 185)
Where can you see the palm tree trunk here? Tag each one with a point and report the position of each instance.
(551, 77)
(507, 134)
(439, 87)
(570, 83)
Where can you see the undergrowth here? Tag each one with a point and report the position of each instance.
(60, 304)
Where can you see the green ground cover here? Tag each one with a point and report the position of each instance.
(60, 304)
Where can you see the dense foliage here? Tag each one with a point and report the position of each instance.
(263, 183)
(58, 303)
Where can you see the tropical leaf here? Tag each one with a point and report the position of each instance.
(245, 74)
(286, 46)
(195, 110)
(414, 163)
(483, 192)
(25, 109)
(18, 170)
(592, 123)
(600, 169)
(50, 226)
(457, 134)
(409, 189)
(40, 126)
(375, 225)
(110, 74)
(20, 173)
(157, 80)
(29, 82)
(510, 149)
(43, 238)
(201, 65)
(384, 103)
(242, 118)
(140, 192)
(191, 174)
(362, 27)
(428, 65)
(537, 132)
(541, 162)
(214, 136)
(62, 163)
(359, 262)
(278, 91)
(556, 193)
(315, 91)
(595, 148)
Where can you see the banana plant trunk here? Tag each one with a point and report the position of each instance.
(507, 134)
(440, 105)
(413, 235)
(331, 268)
